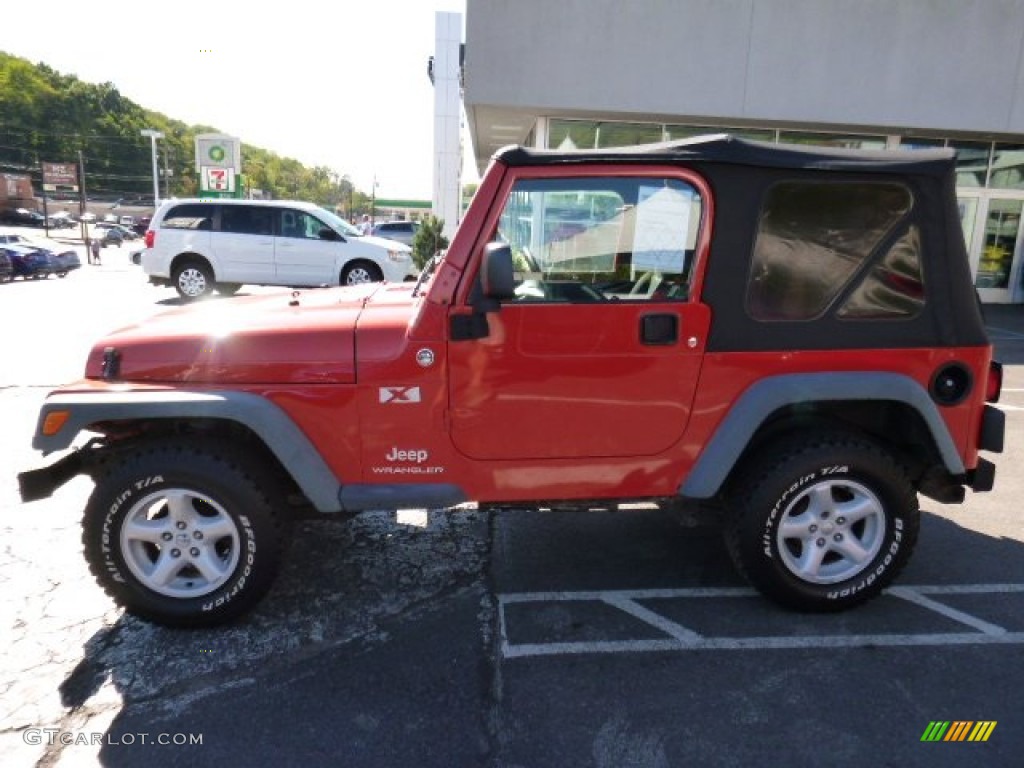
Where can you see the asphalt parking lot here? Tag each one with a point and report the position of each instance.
(517, 638)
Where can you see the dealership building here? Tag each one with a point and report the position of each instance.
(877, 74)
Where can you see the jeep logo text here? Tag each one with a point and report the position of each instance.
(417, 456)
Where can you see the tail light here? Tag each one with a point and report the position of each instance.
(150, 237)
(994, 386)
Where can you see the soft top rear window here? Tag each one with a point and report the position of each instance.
(813, 238)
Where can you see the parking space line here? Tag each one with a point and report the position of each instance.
(911, 595)
(806, 642)
(656, 620)
(681, 638)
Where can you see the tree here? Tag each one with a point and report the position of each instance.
(428, 240)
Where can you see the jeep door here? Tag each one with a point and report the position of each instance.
(599, 352)
(302, 256)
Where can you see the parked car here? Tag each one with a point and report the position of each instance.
(65, 262)
(401, 231)
(28, 262)
(6, 270)
(107, 235)
(61, 220)
(22, 217)
(64, 258)
(141, 225)
(127, 232)
(201, 245)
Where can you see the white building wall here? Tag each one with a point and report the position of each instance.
(447, 106)
(950, 65)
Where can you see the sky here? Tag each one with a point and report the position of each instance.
(342, 84)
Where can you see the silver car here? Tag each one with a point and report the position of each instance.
(402, 231)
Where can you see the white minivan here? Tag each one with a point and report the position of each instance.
(203, 245)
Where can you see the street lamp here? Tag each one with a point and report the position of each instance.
(153, 136)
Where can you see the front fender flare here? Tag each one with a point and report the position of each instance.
(768, 395)
(268, 421)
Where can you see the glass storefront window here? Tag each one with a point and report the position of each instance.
(1007, 167)
(627, 134)
(920, 142)
(968, 212)
(1001, 228)
(686, 131)
(971, 163)
(832, 140)
(572, 134)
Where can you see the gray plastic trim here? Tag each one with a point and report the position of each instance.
(271, 424)
(359, 497)
(767, 396)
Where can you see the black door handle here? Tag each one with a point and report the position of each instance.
(659, 329)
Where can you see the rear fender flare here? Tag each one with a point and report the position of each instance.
(765, 397)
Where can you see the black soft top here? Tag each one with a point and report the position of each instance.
(740, 173)
(726, 148)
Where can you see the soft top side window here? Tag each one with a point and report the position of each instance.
(813, 238)
(601, 238)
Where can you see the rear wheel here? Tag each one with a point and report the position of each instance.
(193, 279)
(183, 536)
(823, 524)
(359, 272)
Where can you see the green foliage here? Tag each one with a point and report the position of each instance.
(49, 117)
(428, 240)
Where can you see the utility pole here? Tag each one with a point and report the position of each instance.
(167, 172)
(46, 207)
(153, 136)
(82, 199)
(373, 201)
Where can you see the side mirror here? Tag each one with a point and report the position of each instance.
(497, 275)
(326, 233)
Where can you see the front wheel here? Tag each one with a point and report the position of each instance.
(823, 524)
(183, 536)
(359, 272)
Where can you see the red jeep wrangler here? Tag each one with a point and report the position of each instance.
(790, 334)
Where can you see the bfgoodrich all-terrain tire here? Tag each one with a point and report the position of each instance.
(822, 523)
(183, 535)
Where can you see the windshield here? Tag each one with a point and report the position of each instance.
(339, 223)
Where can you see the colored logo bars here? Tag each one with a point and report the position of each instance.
(958, 730)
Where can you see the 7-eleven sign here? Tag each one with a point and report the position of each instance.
(218, 179)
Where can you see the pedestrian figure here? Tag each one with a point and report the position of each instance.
(94, 248)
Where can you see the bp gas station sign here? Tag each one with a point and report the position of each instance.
(219, 165)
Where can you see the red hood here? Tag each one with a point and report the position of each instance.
(289, 337)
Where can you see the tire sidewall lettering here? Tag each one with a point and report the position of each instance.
(873, 571)
(234, 587)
